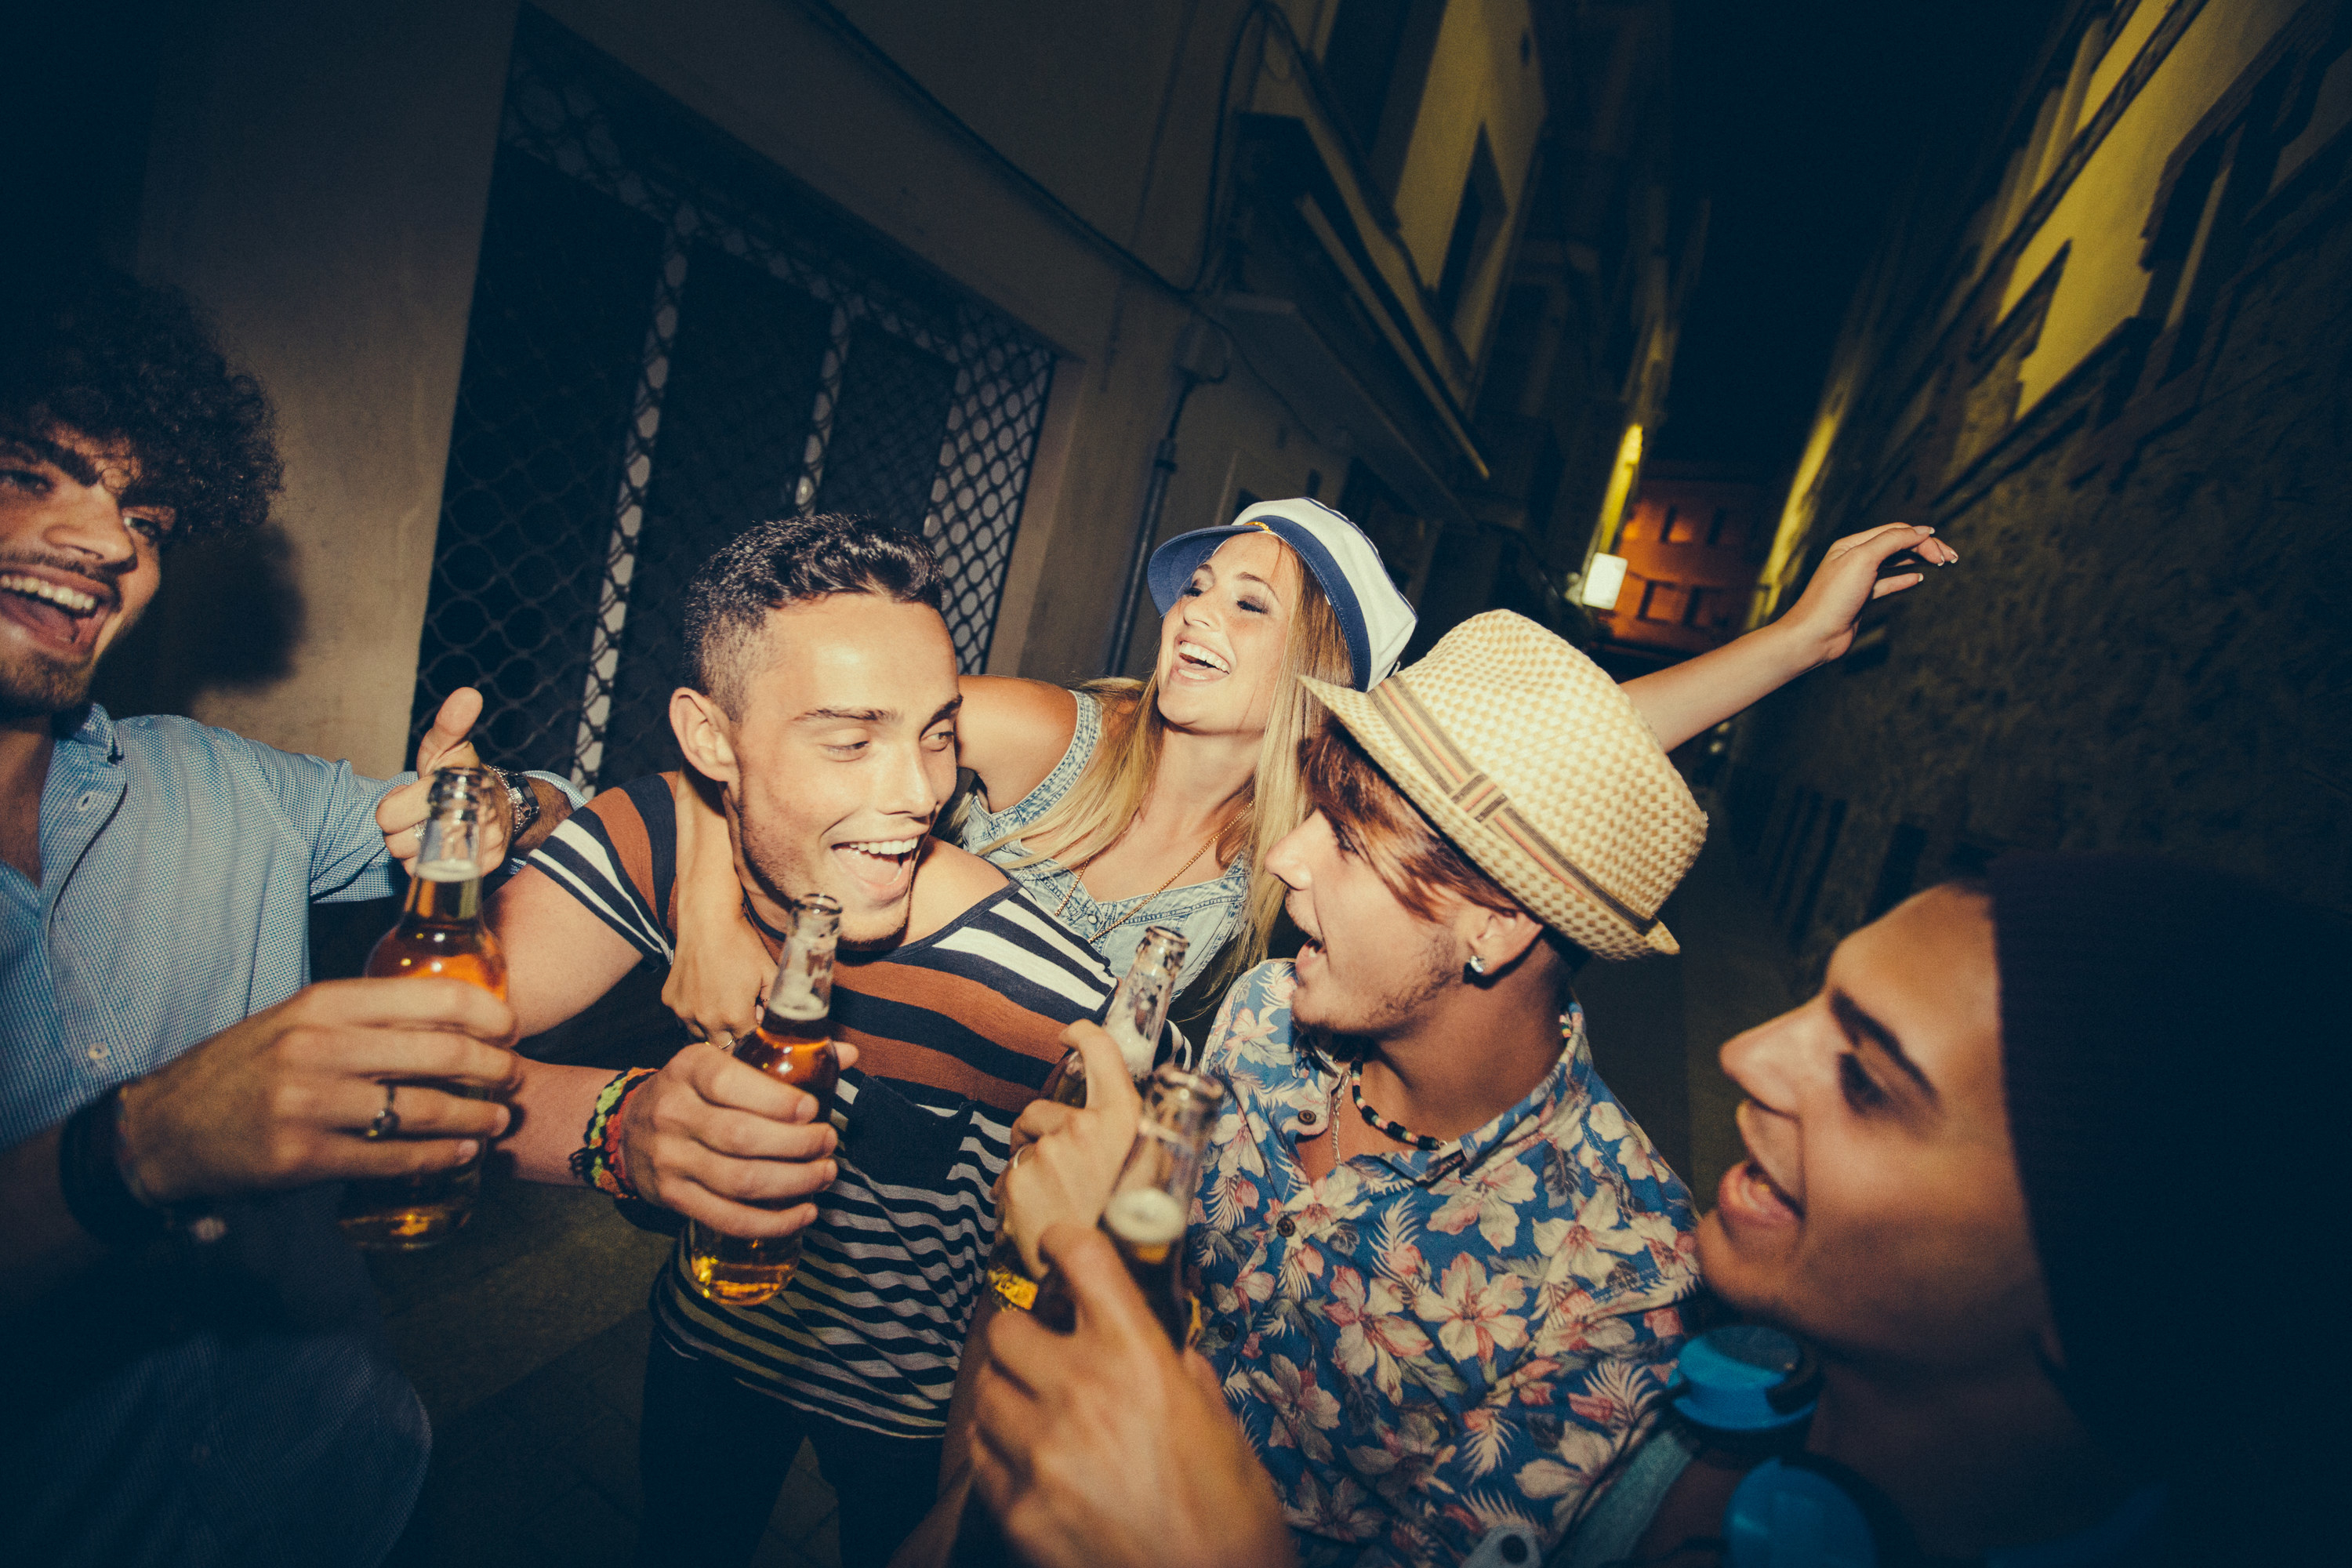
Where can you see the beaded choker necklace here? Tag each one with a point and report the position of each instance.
(1379, 1124)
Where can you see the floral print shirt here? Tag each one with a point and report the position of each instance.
(1422, 1346)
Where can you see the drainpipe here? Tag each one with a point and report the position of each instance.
(1201, 359)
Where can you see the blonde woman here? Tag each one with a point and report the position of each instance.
(1124, 805)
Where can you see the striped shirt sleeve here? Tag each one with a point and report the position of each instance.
(618, 856)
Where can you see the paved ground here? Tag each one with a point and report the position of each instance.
(1656, 1025)
(526, 1335)
(527, 1338)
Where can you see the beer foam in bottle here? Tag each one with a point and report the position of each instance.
(799, 1005)
(1147, 1218)
(1133, 1048)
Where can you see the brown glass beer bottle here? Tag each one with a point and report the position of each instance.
(1137, 1011)
(795, 1044)
(440, 932)
(1151, 1200)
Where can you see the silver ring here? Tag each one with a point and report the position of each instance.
(724, 1039)
(387, 1120)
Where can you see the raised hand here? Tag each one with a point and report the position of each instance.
(1848, 579)
(280, 1099)
(448, 744)
(1688, 699)
(1065, 1160)
(718, 1141)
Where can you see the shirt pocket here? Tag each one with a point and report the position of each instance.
(894, 1142)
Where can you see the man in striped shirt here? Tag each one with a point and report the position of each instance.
(823, 704)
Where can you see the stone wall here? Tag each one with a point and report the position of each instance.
(2147, 641)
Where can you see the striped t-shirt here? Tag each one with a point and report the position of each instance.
(955, 1033)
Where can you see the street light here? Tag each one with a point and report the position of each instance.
(1602, 580)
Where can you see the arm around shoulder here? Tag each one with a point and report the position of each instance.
(722, 967)
(560, 957)
(1012, 732)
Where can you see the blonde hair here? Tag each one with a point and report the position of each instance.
(1110, 791)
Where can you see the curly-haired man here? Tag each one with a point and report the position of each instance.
(198, 1374)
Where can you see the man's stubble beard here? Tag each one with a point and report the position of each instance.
(1405, 997)
(769, 866)
(33, 687)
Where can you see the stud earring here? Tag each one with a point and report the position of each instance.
(1477, 964)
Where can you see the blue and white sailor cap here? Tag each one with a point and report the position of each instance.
(1375, 617)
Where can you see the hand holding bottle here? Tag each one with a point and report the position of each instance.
(721, 1143)
(1062, 1170)
(1065, 1426)
(282, 1099)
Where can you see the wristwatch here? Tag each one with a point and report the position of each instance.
(523, 799)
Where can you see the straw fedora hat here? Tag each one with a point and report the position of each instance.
(1528, 758)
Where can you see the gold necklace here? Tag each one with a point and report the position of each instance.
(1077, 874)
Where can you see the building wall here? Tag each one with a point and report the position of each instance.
(2143, 644)
(319, 179)
(1692, 542)
(1583, 333)
(1483, 81)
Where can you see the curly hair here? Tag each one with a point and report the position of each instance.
(118, 362)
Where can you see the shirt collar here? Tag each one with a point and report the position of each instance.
(96, 730)
(1563, 1093)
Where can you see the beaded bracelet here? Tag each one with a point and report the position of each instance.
(597, 1162)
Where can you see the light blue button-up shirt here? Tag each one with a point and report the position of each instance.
(231, 1404)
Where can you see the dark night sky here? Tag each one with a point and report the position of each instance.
(1802, 121)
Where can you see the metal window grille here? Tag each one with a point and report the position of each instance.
(671, 342)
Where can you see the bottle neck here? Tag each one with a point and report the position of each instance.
(801, 989)
(451, 847)
(1139, 1007)
(445, 883)
(444, 900)
(1170, 1142)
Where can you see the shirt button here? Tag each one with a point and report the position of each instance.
(98, 1052)
(1308, 1119)
(1286, 1227)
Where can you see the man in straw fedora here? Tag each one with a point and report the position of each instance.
(1965, 1192)
(1439, 1265)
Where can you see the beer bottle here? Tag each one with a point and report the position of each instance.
(795, 1044)
(1150, 1202)
(1146, 1218)
(1137, 1011)
(439, 932)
